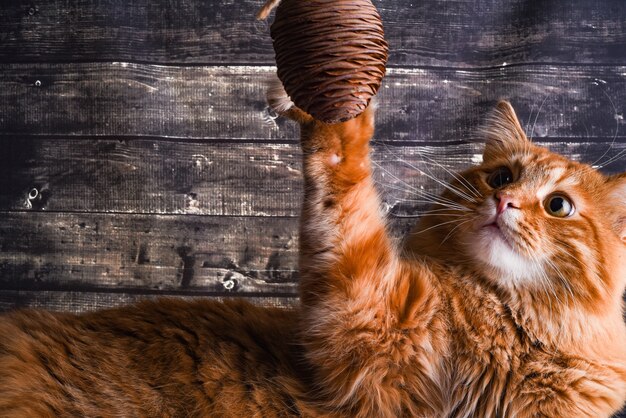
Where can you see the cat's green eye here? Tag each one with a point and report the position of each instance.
(559, 206)
(500, 177)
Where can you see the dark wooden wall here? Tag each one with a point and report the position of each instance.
(138, 157)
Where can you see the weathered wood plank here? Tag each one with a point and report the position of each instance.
(217, 179)
(227, 103)
(43, 251)
(459, 33)
(150, 177)
(152, 255)
(172, 31)
(78, 302)
(489, 33)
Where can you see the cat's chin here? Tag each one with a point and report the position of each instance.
(497, 253)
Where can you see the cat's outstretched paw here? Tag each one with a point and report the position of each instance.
(281, 103)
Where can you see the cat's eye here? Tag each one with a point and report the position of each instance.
(501, 177)
(559, 206)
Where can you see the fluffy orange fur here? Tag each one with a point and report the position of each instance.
(500, 304)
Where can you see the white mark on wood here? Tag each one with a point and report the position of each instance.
(292, 170)
(33, 194)
(131, 83)
(405, 71)
(229, 284)
(477, 158)
(192, 205)
(200, 162)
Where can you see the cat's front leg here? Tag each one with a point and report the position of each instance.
(366, 313)
(344, 245)
(343, 240)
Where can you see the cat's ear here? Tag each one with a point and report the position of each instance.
(502, 132)
(617, 202)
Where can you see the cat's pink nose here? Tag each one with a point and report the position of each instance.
(505, 201)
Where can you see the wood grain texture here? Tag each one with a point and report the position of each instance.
(145, 176)
(139, 253)
(239, 179)
(152, 255)
(227, 104)
(460, 33)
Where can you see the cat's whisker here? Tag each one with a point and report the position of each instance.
(615, 112)
(532, 132)
(455, 228)
(545, 283)
(530, 115)
(561, 277)
(421, 215)
(463, 209)
(457, 176)
(440, 198)
(425, 198)
(447, 208)
(436, 198)
(428, 197)
(425, 214)
(413, 192)
(443, 199)
(448, 186)
(613, 159)
(436, 226)
(586, 267)
(415, 189)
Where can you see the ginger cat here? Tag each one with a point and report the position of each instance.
(518, 313)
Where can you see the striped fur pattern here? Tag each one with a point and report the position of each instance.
(496, 306)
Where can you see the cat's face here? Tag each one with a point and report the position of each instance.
(532, 218)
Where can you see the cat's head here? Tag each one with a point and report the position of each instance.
(532, 219)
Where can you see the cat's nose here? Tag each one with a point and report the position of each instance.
(505, 201)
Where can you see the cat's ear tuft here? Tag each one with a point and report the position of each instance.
(617, 201)
(502, 132)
